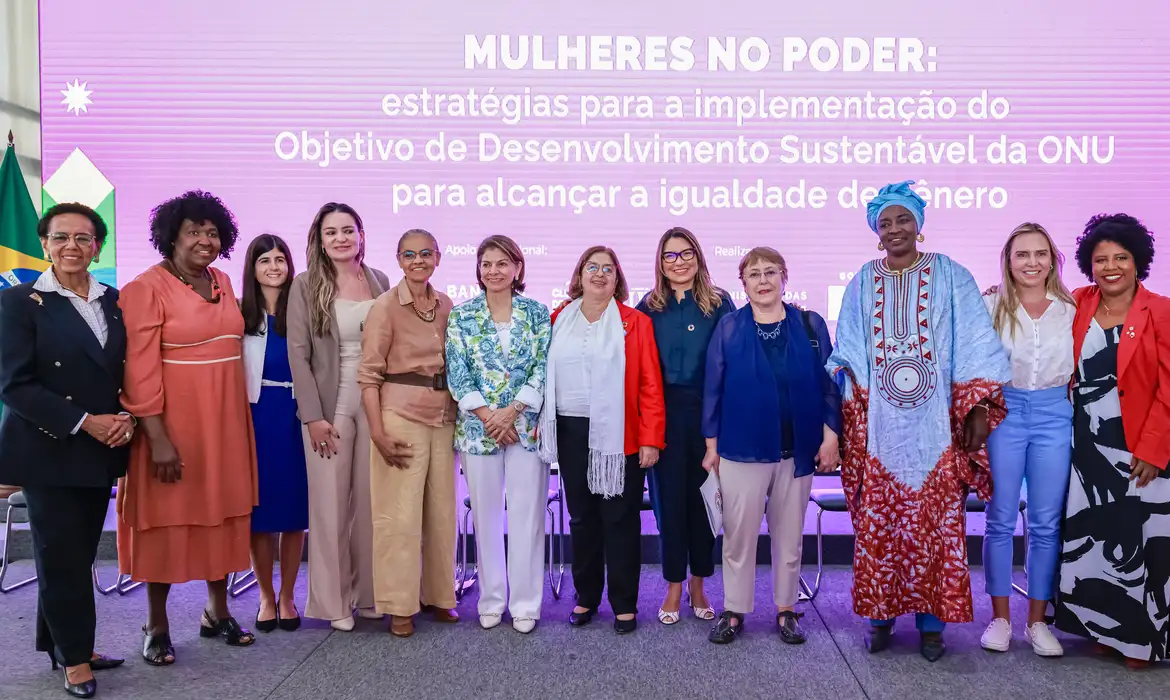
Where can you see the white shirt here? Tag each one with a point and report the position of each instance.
(89, 308)
(1041, 351)
(504, 333)
(574, 369)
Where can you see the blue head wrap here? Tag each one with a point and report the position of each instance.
(898, 194)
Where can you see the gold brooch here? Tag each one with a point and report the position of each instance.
(37, 298)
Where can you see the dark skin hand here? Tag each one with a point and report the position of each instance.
(167, 466)
(1141, 471)
(976, 428)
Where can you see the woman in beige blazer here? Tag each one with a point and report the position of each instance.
(326, 315)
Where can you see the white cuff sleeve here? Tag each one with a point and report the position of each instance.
(530, 397)
(79, 423)
(472, 401)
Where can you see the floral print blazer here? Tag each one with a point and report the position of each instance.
(479, 374)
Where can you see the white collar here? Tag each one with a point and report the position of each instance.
(48, 282)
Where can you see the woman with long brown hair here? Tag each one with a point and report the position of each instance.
(684, 307)
(326, 315)
(282, 515)
(1033, 313)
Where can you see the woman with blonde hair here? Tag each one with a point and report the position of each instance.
(1033, 313)
(685, 307)
(327, 310)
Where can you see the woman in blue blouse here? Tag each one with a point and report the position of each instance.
(684, 307)
(771, 414)
(497, 351)
(284, 483)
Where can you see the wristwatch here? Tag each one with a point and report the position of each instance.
(518, 406)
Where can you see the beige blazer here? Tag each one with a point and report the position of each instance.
(316, 361)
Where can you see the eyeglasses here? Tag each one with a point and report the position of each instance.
(687, 255)
(409, 255)
(768, 275)
(81, 239)
(594, 268)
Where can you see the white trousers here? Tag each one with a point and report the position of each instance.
(748, 491)
(520, 578)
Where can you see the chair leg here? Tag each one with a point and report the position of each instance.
(127, 584)
(466, 572)
(808, 593)
(560, 530)
(4, 558)
(238, 582)
(97, 582)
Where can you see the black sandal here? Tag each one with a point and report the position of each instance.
(228, 628)
(788, 622)
(157, 648)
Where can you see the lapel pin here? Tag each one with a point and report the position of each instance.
(37, 298)
(691, 327)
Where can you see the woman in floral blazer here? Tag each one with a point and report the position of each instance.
(497, 347)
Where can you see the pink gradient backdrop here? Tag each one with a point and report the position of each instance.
(192, 95)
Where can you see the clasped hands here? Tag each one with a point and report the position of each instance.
(499, 423)
(112, 430)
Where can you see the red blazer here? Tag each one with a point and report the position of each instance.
(1143, 369)
(645, 403)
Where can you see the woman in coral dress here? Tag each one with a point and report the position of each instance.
(184, 508)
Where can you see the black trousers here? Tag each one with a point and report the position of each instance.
(684, 531)
(607, 532)
(66, 525)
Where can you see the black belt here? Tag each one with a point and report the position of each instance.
(438, 382)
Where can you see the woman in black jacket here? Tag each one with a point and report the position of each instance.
(62, 347)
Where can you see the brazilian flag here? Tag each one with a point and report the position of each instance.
(21, 257)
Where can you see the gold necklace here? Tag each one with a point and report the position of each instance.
(898, 273)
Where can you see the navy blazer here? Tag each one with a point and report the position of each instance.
(53, 371)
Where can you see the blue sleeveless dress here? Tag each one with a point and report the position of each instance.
(284, 485)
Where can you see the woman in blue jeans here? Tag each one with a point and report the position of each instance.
(1033, 313)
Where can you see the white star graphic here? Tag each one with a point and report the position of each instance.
(76, 97)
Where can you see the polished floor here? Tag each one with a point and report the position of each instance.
(556, 661)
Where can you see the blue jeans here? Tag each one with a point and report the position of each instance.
(1033, 445)
(925, 622)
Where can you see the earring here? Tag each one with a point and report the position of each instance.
(881, 246)
(921, 238)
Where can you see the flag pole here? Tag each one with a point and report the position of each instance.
(10, 141)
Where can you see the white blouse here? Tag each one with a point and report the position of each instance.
(1041, 351)
(574, 369)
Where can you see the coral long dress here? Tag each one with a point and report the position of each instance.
(183, 363)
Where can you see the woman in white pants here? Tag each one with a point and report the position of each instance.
(771, 414)
(497, 348)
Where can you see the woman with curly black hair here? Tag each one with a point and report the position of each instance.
(1115, 566)
(184, 508)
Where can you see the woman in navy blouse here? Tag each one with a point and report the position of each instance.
(771, 415)
(684, 307)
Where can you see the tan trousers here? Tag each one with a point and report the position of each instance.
(414, 520)
(748, 490)
(341, 541)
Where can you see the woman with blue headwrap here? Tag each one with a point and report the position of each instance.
(922, 371)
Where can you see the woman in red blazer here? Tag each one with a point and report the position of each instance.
(603, 421)
(1115, 568)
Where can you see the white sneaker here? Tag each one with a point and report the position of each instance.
(1043, 641)
(997, 636)
(489, 620)
(369, 613)
(523, 625)
(345, 624)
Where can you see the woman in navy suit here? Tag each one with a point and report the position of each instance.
(62, 347)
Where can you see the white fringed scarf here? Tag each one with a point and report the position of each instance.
(607, 414)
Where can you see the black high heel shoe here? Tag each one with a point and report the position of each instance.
(267, 625)
(84, 689)
(286, 624)
(101, 662)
